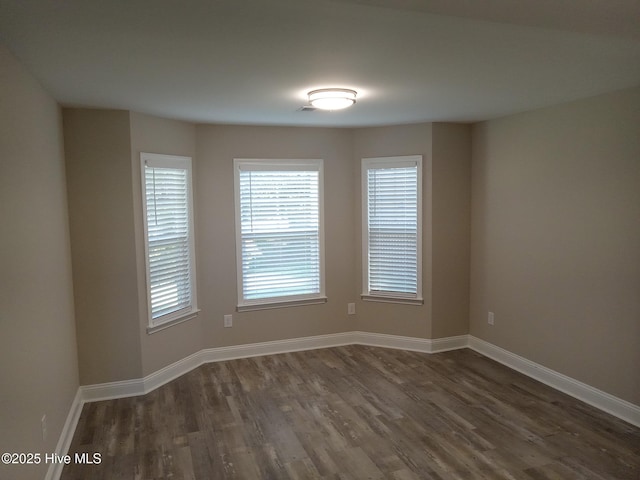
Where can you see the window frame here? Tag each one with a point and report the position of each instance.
(391, 162)
(262, 164)
(186, 313)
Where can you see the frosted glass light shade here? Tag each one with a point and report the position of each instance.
(332, 98)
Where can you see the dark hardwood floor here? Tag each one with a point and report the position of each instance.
(354, 413)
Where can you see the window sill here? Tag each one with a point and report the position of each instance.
(403, 300)
(280, 304)
(170, 323)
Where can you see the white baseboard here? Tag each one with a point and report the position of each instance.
(392, 341)
(66, 436)
(424, 345)
(112, 390)
(135, 387)
(171, 372)
(132, 388)
(599, 399)
(604, 401)
(220, 354)
(128, 388)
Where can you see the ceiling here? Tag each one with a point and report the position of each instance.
(252, 61)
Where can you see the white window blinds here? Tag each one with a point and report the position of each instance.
(279, 239)
(169, 236)
(392, 227)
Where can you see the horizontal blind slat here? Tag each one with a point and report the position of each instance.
(168, 231)
(279, 229)
(392, 229)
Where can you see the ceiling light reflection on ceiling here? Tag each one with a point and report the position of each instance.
(332, 98)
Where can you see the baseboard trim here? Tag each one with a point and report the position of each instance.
(447, 344)
(392, 341)
(132, 388)
(129, 388)
(220, 354)
(66, 436)
(597, 398)
(171, 372)
(112, 390)
(424, 345)
(135, 387)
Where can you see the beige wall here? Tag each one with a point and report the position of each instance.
(217, 146)
(99, 182)
(446, 151)
(170, 137)
(554, 248)
(103, 167)
(393, 318)
(111, 299)
(556, 238)
(548, 255)
(39, 373)
(451, 214)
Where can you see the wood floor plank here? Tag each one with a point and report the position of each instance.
(354, 412)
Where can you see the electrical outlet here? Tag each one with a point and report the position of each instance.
(490, 318)
(351, 308)
(228, 321)
(44, 427)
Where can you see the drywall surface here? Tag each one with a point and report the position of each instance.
(217, 146)
(451, 213)
(99, 180)
(151, 134)
(39, 374)
(394, 318)
(555, 250)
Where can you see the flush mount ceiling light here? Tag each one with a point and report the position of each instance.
(332, 98)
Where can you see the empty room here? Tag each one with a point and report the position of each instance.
(328, 239)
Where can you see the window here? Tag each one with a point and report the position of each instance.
(279, 232)
(392, 230)
(168, 232)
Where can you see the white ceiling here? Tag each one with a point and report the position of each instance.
(252, 61)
